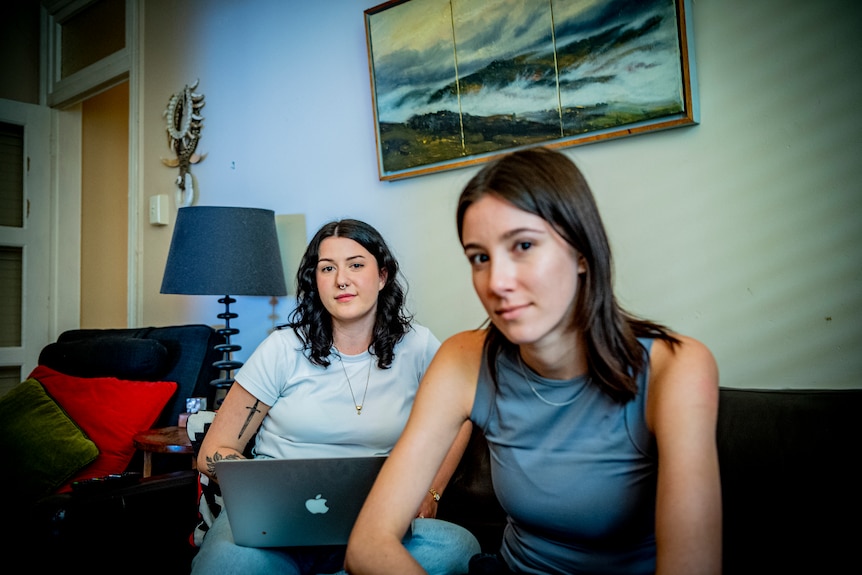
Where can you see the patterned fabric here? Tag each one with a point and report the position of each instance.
(209, 493)
(209, 506)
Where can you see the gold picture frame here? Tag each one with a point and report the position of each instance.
(459, 82)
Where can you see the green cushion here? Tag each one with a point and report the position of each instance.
(41, 446)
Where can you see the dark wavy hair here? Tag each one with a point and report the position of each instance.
(313, 324)
(548, 184)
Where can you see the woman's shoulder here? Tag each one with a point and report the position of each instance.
(456, 365)
(470, 337)
(418, 336)
(279, 345)
(284, 335)
(466, 345)
(685, 352)
(418, 330)
(683, 379)
(686, 368)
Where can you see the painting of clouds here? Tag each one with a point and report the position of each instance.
(455, 82)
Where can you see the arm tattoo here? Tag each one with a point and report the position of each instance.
(211, 461)
(251, 411)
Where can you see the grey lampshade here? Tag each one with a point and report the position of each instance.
(218, 250)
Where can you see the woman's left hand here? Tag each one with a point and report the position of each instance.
(428, 509)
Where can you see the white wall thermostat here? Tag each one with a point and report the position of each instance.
(159, 210)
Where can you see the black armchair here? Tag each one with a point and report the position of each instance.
(137, 524)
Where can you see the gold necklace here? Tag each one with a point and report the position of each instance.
(350, 387)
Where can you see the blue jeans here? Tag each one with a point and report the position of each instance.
(442, 548)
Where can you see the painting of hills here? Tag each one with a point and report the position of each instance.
(456, 81)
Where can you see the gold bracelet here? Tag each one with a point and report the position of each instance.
(434, 494)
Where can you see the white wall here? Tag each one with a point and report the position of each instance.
(743, 231)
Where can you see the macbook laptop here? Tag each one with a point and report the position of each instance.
(291, 502)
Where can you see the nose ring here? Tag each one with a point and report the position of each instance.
(342, 286)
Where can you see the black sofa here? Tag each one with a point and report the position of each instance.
(791, 485)
(142, 526)
(789, 472)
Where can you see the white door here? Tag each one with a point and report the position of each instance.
(25, 237)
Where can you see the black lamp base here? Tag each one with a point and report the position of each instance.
(227, 364)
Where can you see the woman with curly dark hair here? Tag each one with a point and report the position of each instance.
(338, 380)
(311, 317)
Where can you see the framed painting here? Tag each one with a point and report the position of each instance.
(459, 82)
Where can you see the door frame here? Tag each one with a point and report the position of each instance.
(33, 236)
(66, 184)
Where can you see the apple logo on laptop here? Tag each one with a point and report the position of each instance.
(317, 505)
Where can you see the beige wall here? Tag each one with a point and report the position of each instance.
(105, 208)
(743, 231)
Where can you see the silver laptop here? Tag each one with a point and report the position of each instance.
(292, 502)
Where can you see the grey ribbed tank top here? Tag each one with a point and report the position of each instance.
(574, 470)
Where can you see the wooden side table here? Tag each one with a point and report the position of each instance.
(172, 439)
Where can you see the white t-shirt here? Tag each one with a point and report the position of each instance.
(313, 414)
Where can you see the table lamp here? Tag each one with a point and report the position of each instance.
(224, 251)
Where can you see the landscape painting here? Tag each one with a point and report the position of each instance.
(457, 82)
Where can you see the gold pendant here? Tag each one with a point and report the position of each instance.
(358, 410)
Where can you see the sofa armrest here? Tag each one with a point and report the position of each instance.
(790, 482)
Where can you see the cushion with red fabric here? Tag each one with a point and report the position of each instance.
(110, 411)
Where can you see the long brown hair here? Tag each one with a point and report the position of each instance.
(548, 184)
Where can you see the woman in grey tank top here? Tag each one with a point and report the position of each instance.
(600, 424)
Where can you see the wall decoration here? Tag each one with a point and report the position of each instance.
(458, 82)
(184, 125)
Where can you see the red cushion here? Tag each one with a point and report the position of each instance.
(110, 411)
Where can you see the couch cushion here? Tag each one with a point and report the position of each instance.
(789, 478)
(190, 356)
(110, 410)
(41, 446)
(109, 356)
